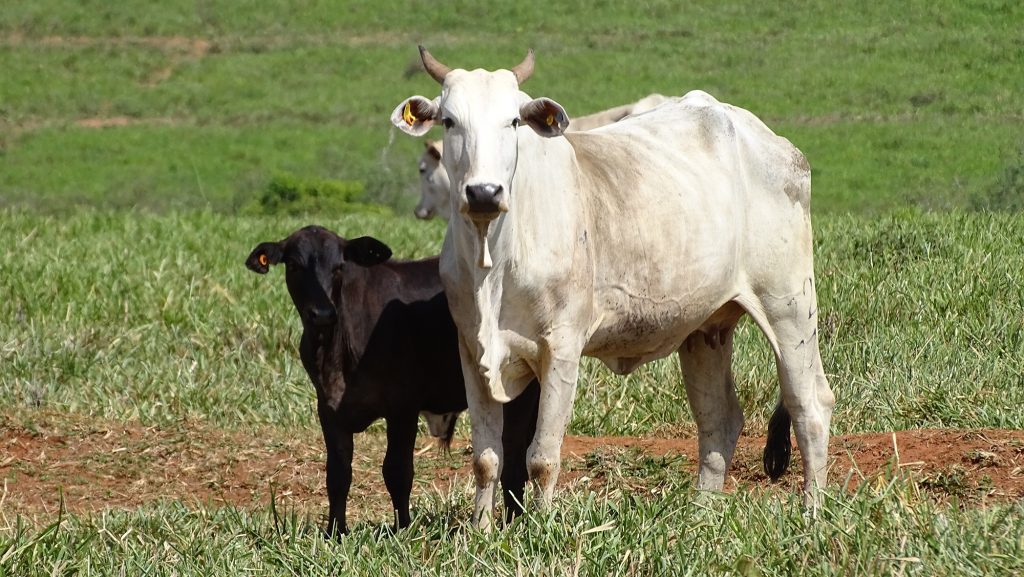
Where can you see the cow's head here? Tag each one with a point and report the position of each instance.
(435, 194)
(313, 259)
(481, 112)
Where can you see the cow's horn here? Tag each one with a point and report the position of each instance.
(524, 69)
(435, 69)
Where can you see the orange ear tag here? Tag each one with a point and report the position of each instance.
(550, 120)
(263, 260)
(407, 114)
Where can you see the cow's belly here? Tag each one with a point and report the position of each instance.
(630, 336)
(634, 330)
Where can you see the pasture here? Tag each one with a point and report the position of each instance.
(155, 418)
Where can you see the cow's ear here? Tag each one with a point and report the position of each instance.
(545, 116)
(264, 255)
(415, 115)
(433, 148)
(366, 251)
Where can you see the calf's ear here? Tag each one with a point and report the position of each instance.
(366, 251)
(415, 115)
(264, 255)
(545, 116)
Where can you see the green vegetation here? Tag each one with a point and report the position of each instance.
(155, 318)
(878, 531)
(145, 148)
(895, 105)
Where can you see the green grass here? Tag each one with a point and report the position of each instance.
(155, 318)
(914, 103)
(886, 528)
(148, 314)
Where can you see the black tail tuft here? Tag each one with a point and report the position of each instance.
(778, 448)
(446, 440)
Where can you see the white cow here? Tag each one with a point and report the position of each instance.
(435, 199)
(645, 237)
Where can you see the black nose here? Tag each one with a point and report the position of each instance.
(484, 198)
(321, 316)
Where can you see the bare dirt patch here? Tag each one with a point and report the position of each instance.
(87, 465)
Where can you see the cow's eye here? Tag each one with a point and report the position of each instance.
(447, 122)
(515, 123)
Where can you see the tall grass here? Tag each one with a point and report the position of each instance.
(883, 529)
(155, 318)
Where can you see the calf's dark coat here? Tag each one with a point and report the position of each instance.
(378, 342)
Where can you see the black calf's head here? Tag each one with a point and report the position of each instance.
(314, 259)
(312, 256)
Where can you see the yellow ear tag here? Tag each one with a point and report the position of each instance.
(407, 114)
(550, 120)
(263, 260)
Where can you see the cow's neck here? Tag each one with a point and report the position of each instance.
(526, 243)
(359, 315)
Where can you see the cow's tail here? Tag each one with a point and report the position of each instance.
(446, 440)
(778, 448)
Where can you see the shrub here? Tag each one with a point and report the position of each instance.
(1007, 194)
(293, 195)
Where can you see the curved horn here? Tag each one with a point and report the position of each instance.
(435, 69)
(524, 69)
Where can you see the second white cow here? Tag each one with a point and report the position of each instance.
(648, 236)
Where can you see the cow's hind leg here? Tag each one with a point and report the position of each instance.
(706, 361)
(790, 323)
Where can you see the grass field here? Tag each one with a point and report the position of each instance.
(917, 103)
(135, 137)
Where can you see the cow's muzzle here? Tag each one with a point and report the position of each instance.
(486, 200)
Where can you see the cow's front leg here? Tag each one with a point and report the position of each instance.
(338, 445)
(398, 467)
(486, 422)
(557, 393)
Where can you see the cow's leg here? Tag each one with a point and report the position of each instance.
(557, 393)
(706, 362)
(486, 421)
(338, 446)
(790, 322)
(520, 426)
(398, 467)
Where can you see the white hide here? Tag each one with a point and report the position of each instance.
(651, 235)
(435, 198)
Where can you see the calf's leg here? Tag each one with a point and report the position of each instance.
(338, 446)
(398, 467)
(520, 415)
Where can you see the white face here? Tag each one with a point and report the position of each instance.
(480, 114)
(435, 188)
